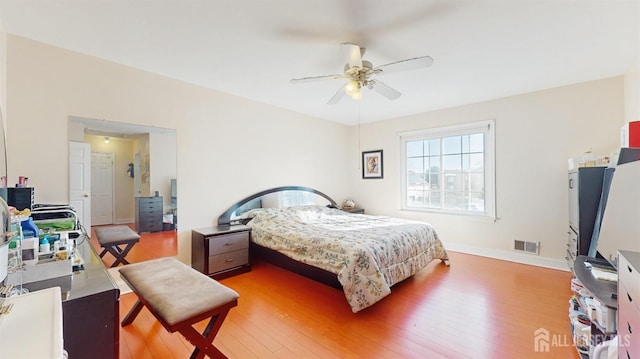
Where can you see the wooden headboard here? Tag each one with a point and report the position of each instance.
(225, 218)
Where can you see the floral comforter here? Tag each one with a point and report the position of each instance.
(369, 254)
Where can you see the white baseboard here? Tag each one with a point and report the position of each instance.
(511, 256)
(124, 221)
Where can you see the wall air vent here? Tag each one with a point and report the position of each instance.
(528, 247)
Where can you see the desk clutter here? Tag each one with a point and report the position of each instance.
(42, 245)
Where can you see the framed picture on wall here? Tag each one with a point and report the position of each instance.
(372, 164)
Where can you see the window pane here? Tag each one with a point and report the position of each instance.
(414, 148)
(451, 145)
(434, 164)
(415, 165)
(434, 172)
(476, 142)
(452, 181)
(434, 147)
(476, 162)
(452, 162)
(465, 144)
(465, 162)
(434, 199)
(476, 182)
(476, 202)
(453, 200)
(416, 198)
(415, 181)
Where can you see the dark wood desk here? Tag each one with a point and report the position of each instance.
(90, 307)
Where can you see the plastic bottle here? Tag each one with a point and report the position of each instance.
(44, 245)
(29, 227)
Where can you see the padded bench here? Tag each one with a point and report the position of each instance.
(112, 237)
(179, 297)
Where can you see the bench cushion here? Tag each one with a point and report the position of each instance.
(116, 234)
(174, 290)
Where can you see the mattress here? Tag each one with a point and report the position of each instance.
(369, 254)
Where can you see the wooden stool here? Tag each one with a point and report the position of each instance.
(179, 297)
(110, 238)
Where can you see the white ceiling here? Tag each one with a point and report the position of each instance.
(251, 48)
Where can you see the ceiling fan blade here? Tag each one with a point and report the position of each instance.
(386, 91)
(316, 78)
(337, 96)
(403, 65)
(353, 53)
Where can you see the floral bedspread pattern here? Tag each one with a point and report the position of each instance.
(369, 254)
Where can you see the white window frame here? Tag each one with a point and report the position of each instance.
(488, 128)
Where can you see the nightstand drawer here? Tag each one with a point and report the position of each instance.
(228, 260)
(228, 242)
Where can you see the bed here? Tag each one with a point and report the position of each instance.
(304, 231)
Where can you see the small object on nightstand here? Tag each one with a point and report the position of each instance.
(354, 210)
(350, 206)
(348, 203)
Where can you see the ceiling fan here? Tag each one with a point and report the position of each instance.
(361, 73)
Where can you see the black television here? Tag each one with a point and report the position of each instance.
(620, 227)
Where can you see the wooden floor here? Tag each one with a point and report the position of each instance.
(476, 308)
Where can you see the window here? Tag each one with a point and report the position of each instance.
(449, 169)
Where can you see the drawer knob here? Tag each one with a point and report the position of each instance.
(630, 299)
(629, 326)
(630, 269)
(229, 260)
(228, 244)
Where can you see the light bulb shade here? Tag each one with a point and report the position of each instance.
(106, 140)
(351, 87)
(356, 95)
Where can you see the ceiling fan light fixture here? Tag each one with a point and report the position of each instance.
(362, 73)
(352, 87)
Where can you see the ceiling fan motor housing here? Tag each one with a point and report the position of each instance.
(359, 74)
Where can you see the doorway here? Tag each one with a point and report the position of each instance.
(128, 145)
(102, 188)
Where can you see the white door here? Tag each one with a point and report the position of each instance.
(80, 182)
(101, 188)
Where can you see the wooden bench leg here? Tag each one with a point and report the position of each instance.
(133, 313)
(118, 253)
(204, 342)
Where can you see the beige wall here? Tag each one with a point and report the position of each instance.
(632, 92)
(3, 75)
(535, 135)
(163, 165)
(228, 147)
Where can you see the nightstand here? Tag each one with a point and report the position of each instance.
(221, 252)
(355, 210)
